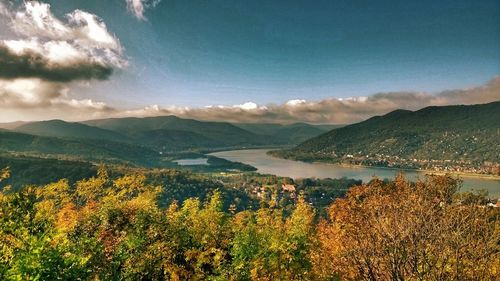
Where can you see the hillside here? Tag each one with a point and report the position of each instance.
(188, 133)
(11, 125)
(407, 139)
(286, 134)
(59, 128)
(35, 170)
(85, 149)
(171, 133)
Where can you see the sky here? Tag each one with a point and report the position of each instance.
(244, 61)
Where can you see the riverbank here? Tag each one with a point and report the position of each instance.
(426, 171)
(270, 147)
(431, 172)
(267, 164)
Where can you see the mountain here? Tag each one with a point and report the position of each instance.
(286, 134)
(173, 133)
(11, 125)
(35, 170)
(62, 129)
(447, 133)
(85, 149)
(169, 140)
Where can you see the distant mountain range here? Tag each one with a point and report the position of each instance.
(62, 129)
(173, 133)
(402, 138)
(448, 133)
(140, 140)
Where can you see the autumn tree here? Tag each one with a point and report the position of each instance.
(405, 231)
(116, 228)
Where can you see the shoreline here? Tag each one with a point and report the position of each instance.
(459, 174)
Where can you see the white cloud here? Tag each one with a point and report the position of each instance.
(24, 93)
(137, 7)
(332, 110)
(246, 106)
(52, 100)
(295, 102)
(29, 93)
(4, 11)
(34, 19)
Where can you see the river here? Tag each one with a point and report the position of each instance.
(267, 164)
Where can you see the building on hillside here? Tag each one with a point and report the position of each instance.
(288, 187)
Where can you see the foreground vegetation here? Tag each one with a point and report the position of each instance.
(113, 228)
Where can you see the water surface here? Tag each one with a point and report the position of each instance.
(267, 164)
(192, 161)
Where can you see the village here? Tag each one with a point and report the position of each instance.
(447, 165)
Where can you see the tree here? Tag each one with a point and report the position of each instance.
(404, 231)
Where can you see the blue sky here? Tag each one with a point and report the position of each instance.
(195, 53)
(198, 53)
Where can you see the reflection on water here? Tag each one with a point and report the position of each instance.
(295, 169)
(193, 161)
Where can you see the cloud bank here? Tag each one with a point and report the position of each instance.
(327, 111)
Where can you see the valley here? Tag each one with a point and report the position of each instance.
(466, 146)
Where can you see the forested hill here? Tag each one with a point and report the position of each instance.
(165, 131)
(171, 132)
(448, 133)
(153, 141)
(84, 149)
(287, 134)
(59, 128)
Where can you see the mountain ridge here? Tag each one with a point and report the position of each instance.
(63, 129)
(460, 133)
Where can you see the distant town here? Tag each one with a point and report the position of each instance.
(446, 165)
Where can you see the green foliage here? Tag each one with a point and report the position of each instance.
(287, 134)
(84, 149)
(33, 170)
(62, 129)
(268, 246)
(111, 227)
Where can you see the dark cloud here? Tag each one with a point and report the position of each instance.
(30, 64)
(35, 99)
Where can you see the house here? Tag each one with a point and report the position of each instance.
(288, 187)
(494, 205)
